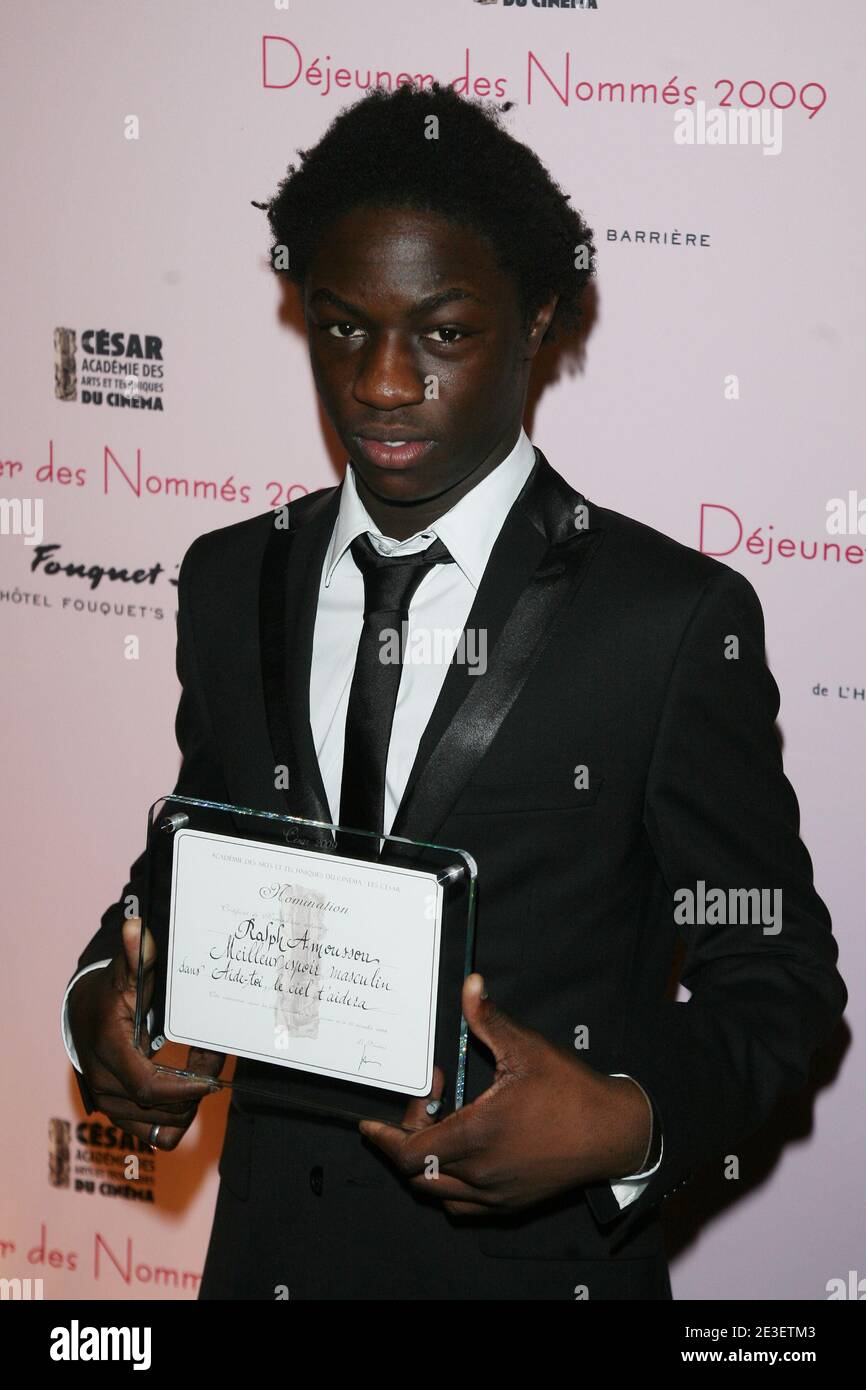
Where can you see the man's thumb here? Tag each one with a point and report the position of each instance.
(491, 1025)
(131, 934)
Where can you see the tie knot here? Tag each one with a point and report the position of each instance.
(391, 580)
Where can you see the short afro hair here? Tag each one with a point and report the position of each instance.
(378, 152)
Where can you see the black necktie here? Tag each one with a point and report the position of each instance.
(389, 583)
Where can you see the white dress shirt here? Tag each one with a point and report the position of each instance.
(440, 605)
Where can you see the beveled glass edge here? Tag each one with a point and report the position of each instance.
(318, 824)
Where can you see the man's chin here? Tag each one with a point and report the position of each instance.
(399, 485)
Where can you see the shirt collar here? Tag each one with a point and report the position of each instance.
(469, 529)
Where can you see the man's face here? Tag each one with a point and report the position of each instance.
(415, 335)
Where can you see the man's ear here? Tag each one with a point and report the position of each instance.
(539, 325)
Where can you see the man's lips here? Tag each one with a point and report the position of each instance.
(397, 455)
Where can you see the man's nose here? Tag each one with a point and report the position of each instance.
(388, 374)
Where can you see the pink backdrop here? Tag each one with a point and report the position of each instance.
(755, 274)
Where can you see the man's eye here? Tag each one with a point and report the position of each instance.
(457, 334)
(330, 327)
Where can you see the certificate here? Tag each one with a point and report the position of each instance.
(300, 959)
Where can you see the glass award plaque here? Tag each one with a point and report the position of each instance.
(328, 961)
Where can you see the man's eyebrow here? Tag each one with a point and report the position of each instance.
(424, 306)
(435, 301)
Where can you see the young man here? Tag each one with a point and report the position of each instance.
(615, 748)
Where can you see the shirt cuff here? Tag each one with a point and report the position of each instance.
(628, 1189)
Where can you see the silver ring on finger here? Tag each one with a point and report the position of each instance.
(152, 1135)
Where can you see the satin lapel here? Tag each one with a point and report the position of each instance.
(291, 573)
(535, 569)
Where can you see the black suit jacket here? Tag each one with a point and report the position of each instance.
(606, 648)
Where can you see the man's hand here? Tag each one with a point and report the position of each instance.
(102, 1019)
(547, 1123)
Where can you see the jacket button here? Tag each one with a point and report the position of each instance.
(317, 1176)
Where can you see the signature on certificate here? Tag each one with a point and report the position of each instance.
(365, 1060)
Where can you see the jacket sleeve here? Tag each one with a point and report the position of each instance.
(765, 991)
(200, 775)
